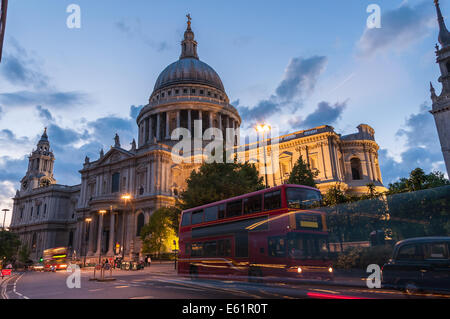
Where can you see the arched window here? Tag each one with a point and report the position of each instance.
(115, 183)
(356, 168)
(139, 224)
(70, 239)
(33, 242)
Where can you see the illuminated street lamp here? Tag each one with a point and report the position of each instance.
(4, 217)
(86, 234)
(101, 212)
(263, 128)
(125, 197)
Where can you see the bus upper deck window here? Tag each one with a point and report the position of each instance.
(252, 204)
(211, 213)
(197, 217)
(221, 211)
(234, 208)
(272, 200)
(186, 219)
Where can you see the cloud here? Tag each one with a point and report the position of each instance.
(7, 191)
(325, 114)
(298, 82)
(422, 148)
(52, 98)
(135, 110)
(19, 69)
(44, 113)
(300, 77)
(399, 29)
(133, 28)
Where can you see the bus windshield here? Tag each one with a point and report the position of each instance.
(306, 246)
(302, 198)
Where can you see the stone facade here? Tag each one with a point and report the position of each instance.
(441, 102)
(188, 94)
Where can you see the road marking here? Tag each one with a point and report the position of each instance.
(121, 286)
(96, 289)
(143, 297)
(324, 290)
(14, 288)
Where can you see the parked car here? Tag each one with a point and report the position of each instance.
(419, 264)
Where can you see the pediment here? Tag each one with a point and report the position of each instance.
(114, 155)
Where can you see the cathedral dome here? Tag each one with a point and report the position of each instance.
(189, 70)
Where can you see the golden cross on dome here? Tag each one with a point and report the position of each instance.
(189, 19)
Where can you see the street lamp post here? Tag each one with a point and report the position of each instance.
(262, 128)
(4, 217)
(102, 212)
(124, 197)
(86, 235)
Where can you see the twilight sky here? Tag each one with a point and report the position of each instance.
(294, 64)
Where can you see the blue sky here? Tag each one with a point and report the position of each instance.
(295, 64)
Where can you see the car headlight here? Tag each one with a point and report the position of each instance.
(330, 269)
(299, 270)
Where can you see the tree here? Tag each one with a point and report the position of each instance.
(418, 180)
(217, 181)
(24, 254)
(302, 175)
(9, 245)
(159, 233)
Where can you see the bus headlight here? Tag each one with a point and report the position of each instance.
(299, 270)
(330, 270)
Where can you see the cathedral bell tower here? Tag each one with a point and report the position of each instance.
(441, 102)
(40, 166)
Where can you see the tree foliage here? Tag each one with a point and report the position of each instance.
(9, 245)
(418, 180)
(302, 174)
(217, 181)
(157, 236)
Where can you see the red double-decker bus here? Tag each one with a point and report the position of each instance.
(272, 232)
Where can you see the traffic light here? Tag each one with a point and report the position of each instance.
(41, 260)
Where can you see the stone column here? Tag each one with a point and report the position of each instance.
(178, 119)
(150, 128)
(152, 177)
(167, 125)
(189, 123)
(158, 127)
(145, 131)
(99, 234)
(91, 237)
(111, 234)
(211, 123)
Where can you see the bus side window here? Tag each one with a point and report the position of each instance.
(252, 204)
(197, 217)
(224, 248)
(197, 250)
(211, 213)
(210, 249)
(277, 246)
(221, 212)
(186, 219)
(272, 200)
(234, 208)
